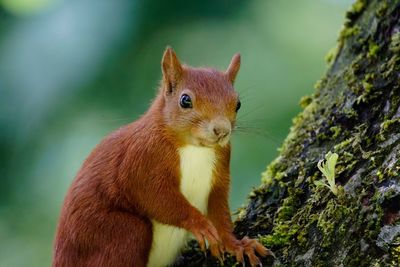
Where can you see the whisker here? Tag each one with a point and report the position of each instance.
(252, 130)
(250, 111)
(248, 97)
(109, 119)
(116, 119)
(247, 89)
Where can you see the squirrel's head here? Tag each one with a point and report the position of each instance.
(200, 103)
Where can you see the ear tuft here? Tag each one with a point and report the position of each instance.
(233, 68)
(171, 69)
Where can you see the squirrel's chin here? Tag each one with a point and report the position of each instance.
(211, 143)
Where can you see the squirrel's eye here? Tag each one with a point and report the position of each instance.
(238, 105)
(186, 101)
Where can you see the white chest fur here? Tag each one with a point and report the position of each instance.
(196, 166)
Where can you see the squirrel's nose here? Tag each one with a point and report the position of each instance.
(221, 128)
(220, 132)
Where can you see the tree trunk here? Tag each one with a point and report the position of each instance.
(355, 112)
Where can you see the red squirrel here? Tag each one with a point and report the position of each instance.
(149, 184)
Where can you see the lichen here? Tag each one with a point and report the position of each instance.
(387, 235)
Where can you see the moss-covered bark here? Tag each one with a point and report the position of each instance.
(355, 112)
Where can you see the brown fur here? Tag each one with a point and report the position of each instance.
(133, 176)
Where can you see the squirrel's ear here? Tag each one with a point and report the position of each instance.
(233, 68)
(171, 69)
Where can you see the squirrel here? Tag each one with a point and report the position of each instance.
(149, 185)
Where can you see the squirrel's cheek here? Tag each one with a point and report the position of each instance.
(197, 132)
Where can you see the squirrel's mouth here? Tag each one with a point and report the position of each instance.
(211, 134)
(213, 142)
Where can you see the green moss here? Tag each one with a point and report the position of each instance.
(373, 49)
(305, 101)
(358, 6)
(352, 79)
(289, 205)
(395, 253)
(373, 217)
(318, 84)
(367, 86)
(322, 137)
(332, 216)
(344, 144)
(272, 172)
(387, 124)
(282, 235)
(381, 10)
(391, 65)
(335, 130)
(290, 145)
(395, 43)
(331, 55)
(350, 113)
(285, 212)
(302, 237)
(349, 31)
(386, 127)
(355, 11)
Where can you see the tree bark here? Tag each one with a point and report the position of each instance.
(354, 112)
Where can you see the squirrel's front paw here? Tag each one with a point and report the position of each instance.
(204, 230)
(248, 247)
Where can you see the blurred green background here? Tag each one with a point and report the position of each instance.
(73, 71)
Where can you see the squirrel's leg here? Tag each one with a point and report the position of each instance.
(127, 241)
(219, 214)
(161, 200)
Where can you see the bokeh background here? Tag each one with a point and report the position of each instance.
(73, 71)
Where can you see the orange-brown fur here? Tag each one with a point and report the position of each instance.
(133, 177)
